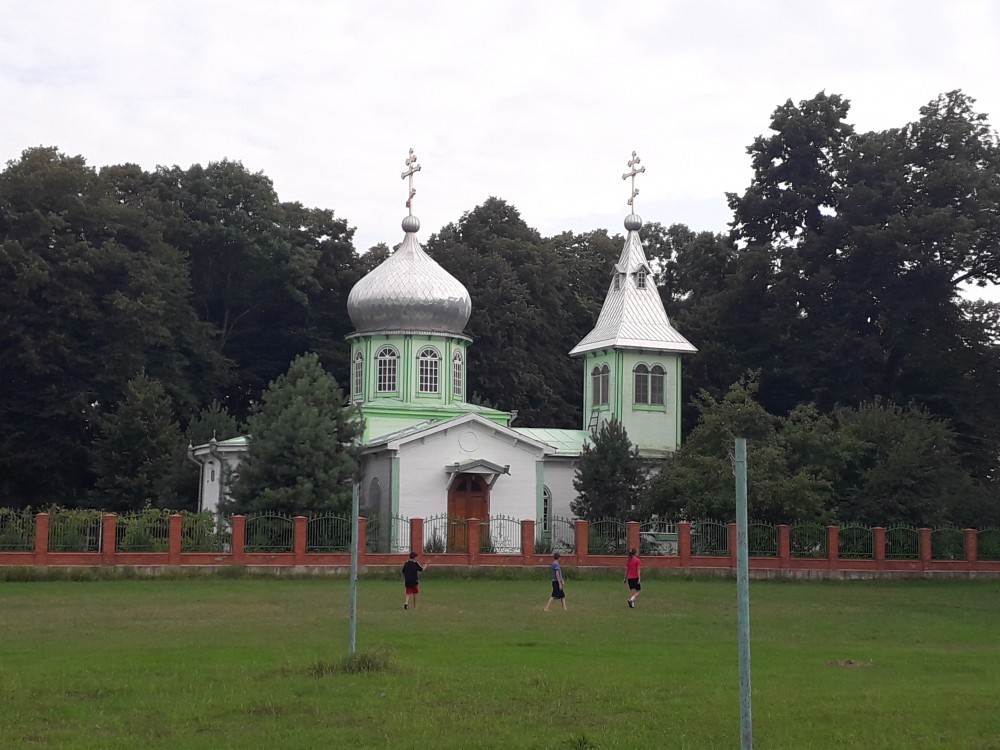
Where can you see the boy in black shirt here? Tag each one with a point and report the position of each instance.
(411, 573)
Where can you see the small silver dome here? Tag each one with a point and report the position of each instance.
(409, 291)
(633, 223)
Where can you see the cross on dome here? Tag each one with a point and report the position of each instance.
(634, 170)
(412, 168)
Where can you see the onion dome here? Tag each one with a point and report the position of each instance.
(409, 291)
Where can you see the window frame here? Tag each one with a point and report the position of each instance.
(428, 372)
(387, 370)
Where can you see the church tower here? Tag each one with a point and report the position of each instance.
(408, 352)
(632, 357)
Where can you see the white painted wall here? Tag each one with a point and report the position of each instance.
(423, 479)
(559, 474)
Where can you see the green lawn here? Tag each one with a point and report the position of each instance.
(254, 663)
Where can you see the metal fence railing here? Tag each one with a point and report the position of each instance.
(558, 535)
(856, 542)
(658, 538)
(607, 536)
(329, 533)
(75, 531)
(709, 538)
(269, 532)
(17, 530)
(948, 543)
(807, 540)
(206, 532)
(902, 543)
(444, 533)
(143, 531)
(762, 540)
(988, 544)
(500, 535)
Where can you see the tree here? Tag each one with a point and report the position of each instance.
(138, 454)
(305, 438)
(609, 476)
(521, 302)
(214, 421)
(91, 296)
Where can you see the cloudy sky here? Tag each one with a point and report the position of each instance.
(540, 103)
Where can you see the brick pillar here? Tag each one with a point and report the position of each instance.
(632, 535)
(362, 540)
(417, 535)
(239, 538)
(732, 544)
(924, 536)
(971, 546)
(684, 543)
(527, 539)
(581, 539)
(109, 523)
(833, 545)
(472, 531)
(175, 530)
(878, 540)
(41, 538)
(784, 544)
(300, 535)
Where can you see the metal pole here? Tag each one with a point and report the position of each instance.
(743, 595)
(353, 617)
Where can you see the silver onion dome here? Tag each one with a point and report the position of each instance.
(409, 291)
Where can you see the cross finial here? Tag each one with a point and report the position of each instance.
(411, 168)
(633, 165)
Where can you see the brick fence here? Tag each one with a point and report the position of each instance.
(299, 560)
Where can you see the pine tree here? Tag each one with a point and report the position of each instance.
(609, 476)
(304, 441)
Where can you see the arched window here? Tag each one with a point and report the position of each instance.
(595, 385)
(605, 384)
(640, 278)
(641, 393)
(657, 378)
(359, 374)
(385, 375)
(429, 361)
(546, 511)
(456, 375)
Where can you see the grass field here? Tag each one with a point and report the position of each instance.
(258, 663)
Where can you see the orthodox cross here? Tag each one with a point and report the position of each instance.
(411, 168)
(635, 169)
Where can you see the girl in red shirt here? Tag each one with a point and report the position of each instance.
(632, 577)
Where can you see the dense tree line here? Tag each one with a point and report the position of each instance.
(142, 309)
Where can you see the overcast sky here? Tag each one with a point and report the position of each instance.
(539, 103)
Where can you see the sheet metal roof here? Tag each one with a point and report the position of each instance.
(633, 317)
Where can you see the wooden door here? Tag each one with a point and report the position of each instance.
(469, 497)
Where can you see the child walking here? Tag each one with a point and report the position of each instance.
(632, 576)
(558, 585)
(411, 579)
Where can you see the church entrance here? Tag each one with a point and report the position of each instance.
(468, 497)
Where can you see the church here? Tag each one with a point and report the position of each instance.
(427, 450)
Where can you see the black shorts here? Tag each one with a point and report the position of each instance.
(634, 585)
(557, 591)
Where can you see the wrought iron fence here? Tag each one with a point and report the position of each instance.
(902, 542)
(269, 532)
(143, 531)
(658, 538)
(709, 538)
(445, 534)
(856, 542)
(948, 543)
(328, 533)
(17, 530)
(75, 531)
(559, 537)
(391, 537)
(762, 539)
(807, 540)
(206, 532)
(607, 537)
(500, 534)
(988, 544)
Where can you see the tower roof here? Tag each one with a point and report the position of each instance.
(633, 316)
(409, 290)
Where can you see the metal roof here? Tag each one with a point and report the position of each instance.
(409, 291)
(632, 316)
(566, 442)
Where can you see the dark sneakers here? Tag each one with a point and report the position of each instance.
(631, 604)
(406, 606)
